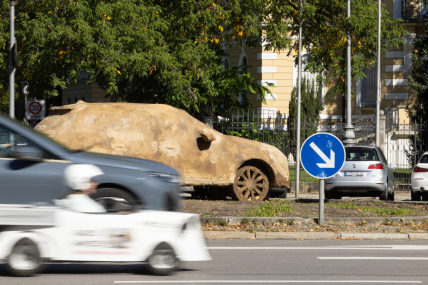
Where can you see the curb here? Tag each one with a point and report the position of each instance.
(309, 235)
(368, 221)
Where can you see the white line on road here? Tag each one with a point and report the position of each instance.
(374, 258)
(273, 281)
(380, 247)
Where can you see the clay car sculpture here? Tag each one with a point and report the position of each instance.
(205, 158)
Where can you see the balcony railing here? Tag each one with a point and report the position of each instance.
(413, 11)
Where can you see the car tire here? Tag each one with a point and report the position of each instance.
(114, 199)
(163, 260)
(424, 196)
(391, 194)
(250, 184)
(416, 196)
(384, 195)
(24, 259)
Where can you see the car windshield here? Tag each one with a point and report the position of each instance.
(361, 154)
(5, 139)
(424, 159)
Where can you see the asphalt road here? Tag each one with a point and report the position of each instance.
(264, 262)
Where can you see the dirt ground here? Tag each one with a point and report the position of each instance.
(305, 208)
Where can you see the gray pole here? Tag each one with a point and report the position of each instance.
(11, 61)
(299, 101)
(348, 135)
(379, 37)
(321, 213)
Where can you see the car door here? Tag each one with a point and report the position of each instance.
(25, 180)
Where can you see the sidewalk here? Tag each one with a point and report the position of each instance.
(310, 235)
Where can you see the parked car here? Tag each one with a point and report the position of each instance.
(206, 159)
(420, 179)
(162, 239)
(365, 173)
(32, 165)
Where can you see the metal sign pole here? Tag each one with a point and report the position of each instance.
(321, 214)
(299, 102)
(12, 63)
(378, 73)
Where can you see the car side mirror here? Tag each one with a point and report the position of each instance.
(27, 152)
(393, 166)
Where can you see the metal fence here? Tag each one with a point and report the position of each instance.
(403, 146)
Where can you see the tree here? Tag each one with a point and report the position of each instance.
(312, 103)
(168, 51)
(418, 81)
(325, 25)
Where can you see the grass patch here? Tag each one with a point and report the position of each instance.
(373, 210)
(304, 176)
(269, 209)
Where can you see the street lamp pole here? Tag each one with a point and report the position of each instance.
(299, 101)
(12, 63)
(378, 95)
(348, 134)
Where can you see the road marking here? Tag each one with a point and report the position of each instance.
(329, 162)
(374, 258)
(272, 281)
(379, 247)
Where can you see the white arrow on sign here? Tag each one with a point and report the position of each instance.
(329, 162)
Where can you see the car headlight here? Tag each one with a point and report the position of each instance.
(168, 178)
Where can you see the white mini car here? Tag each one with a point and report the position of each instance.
(31, 235)
(420, 179)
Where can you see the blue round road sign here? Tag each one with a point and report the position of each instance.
(322, 155)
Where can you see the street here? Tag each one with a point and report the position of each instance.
(264, 262)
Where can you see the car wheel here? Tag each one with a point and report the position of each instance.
(116, 199)
(391, 194)
(424, 196)
(24, 260)
(416, 196)
(384, 195)
(250, 184)
(163, 260)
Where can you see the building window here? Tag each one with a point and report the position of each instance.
(83, 98)
(244, 68)
(226, 64)
(369, 87)
(68, 100)
(76, 99)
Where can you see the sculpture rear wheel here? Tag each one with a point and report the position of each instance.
(250, 184)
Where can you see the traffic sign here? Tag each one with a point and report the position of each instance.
(322, 155)
(33, 123)
(35, 110)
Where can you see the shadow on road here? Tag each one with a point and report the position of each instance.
(92, 268)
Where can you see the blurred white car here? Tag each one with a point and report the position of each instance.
(31, 235)
(420, 179)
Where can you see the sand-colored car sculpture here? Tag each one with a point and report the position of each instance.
(206, 159)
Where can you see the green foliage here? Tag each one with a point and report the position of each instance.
(311, 105)
(418, 81)
(372, 210)
(168, 51)
(269, 209)
(312, 102)
(324, 30)
(419, 78)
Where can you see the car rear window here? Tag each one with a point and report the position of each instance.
(424, 159)
(361, 154)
